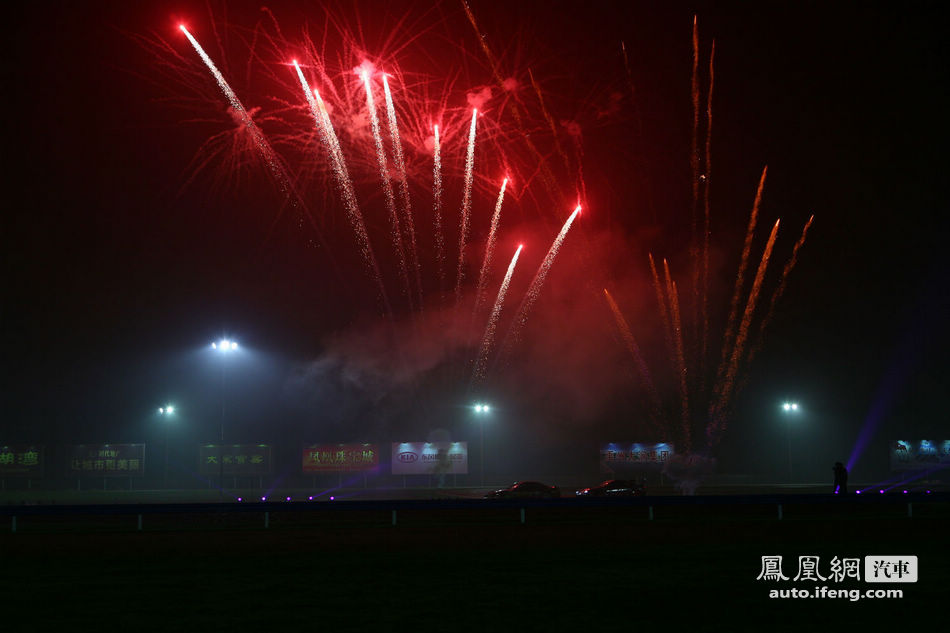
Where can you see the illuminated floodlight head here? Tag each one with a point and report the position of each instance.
(794, 406)
(225, 345)
(161, 410)
(169, 409)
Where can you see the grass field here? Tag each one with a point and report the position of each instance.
(563, 570)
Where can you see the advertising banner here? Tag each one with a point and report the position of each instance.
(621, 456)
(107, 460)
(21, 461)
(337, 458)
(920, 454)
(430, 458)
(235, 460)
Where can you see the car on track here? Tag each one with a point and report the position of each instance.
(526, 490)
(614, 488)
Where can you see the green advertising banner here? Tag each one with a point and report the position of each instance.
(21, 460)
(235, 460)
(107, 460)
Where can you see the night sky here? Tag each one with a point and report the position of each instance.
(122, 262)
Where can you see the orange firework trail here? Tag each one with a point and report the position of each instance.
(661, 301)
(728, 382)
(466, 206)
(694, 166)
(400, 161)
(328, 136)
(634, 350)
(727, 343)
(387, 187)
(704, 315)
(779, 291)
(489, 336)
(489, 249)
(437, 208)
(694, 155)
(680, 357)
(535, 288)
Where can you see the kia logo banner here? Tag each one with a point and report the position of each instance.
(430, 458)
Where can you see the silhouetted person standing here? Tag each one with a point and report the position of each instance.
(841, 479)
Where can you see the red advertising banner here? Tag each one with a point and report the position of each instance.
(235, 459)
(107, 460)
(334, 458)
(21, 461)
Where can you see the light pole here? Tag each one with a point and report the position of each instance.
(790, 409)
(166, 412)
(482, 410)
(224, 347)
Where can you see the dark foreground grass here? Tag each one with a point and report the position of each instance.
(680, 574)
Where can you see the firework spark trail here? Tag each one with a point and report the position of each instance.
(437, 209)
(694, 154)
(489, 250)
(634, 350)
(704, 314)
(550, 120)
(331, 144)
(547, 176)
(726, 387)
(274, 165)
(466, 206)
(694, 164)
(488, 338)
(400, 161)
(729, 338)
(387, 188)
(661, 301)
(673, 295)
(779, 291)
(534, 290)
